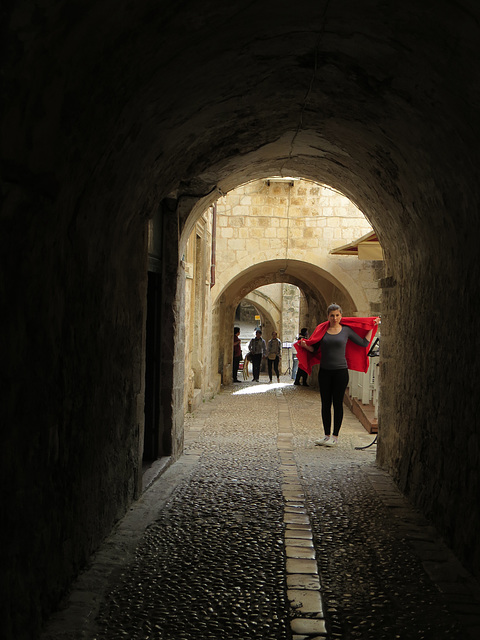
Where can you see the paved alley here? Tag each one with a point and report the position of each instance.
(256, 533)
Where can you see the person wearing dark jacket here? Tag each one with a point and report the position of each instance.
(301, 374)
(274, 353)
(237, 353)
(258, 350)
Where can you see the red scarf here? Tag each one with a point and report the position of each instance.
(356, 356)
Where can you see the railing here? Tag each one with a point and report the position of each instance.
(365, 386)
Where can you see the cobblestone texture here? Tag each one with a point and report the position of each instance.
(373, 585)
(209, 559)
(212, 565)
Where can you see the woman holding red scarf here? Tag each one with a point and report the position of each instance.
(338, 345)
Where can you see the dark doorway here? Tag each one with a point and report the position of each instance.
(153, 446)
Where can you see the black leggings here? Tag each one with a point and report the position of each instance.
(275, 365)
(332, 383)
(256, 363)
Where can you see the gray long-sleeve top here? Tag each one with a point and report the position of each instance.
(332, 347)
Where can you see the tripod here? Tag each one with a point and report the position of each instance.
(288, 346)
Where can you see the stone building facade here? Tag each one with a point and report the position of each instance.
(232, 254)
(293, 220)
(292, 225)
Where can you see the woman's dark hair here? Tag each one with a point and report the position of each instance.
(334, 307)
(236, 330)
(304, 331)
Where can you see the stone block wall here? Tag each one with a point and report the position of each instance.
(303, 221)
(200, 370)
(90, 150)
(291, 304)
(428, 435)
(258, 222)
(70, 458)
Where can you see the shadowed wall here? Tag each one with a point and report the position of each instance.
(110, 109)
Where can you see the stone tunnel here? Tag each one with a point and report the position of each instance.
(115, 114)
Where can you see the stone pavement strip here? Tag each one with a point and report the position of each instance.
(257, 533)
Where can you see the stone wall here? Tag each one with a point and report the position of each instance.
(301, 220)
(71, 454)
(200, 370)
(247, 312)
(378, 107)
(428, 436)
(291, 302)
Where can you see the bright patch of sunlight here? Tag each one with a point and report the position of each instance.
(261, 388)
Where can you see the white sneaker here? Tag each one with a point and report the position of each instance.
(323, 441)
(331, 442)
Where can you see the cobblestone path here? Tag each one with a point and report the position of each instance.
(258, 533)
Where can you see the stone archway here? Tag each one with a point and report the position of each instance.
(376, 99)
(267, 310)
(316, 286)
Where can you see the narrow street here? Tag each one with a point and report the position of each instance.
(257, 533)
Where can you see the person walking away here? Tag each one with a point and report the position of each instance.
(338, 344)
(237, 353)
(301, 374)
(274, 353)
(258, 350)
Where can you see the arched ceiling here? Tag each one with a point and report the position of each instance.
(265, 308)
(111, 107)
(313, 281)
(143, 100)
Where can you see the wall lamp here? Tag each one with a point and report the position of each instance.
(279, 179)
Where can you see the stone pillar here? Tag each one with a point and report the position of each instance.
(224, 341)
(172, 333)
(290, 311)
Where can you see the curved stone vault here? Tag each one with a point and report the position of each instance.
(117, 113)
(313, 281)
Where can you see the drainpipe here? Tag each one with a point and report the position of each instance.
(214, 245)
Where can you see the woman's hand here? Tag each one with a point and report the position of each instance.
(305, 345)
(376, 322)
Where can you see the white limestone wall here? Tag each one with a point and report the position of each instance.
(258, 222)
(201, 378)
